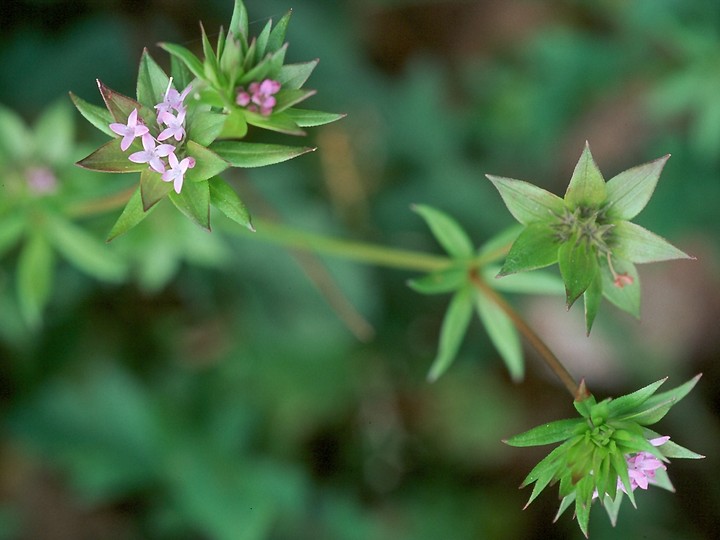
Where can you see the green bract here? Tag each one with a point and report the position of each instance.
(591, 461)
(207, 119)
(588, 233)
(470, 276)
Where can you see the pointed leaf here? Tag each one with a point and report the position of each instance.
(262, 40)
(132, 214)
(15, 139)
(293, 76)
(207, 163)
(442, 281)
(673, 450)
(84, 251)
(181, 74)
(239, 20)
(552, 432)
(612, 506)
(35, 276)
(191, 61)
(637, 244)
(279, 122)
(97, 116)
(211, 67)
(536, 247)
(527, 202)
(626, 298)
(152, 188)
(235, 126)
(454, 326)
(288, 98)
(630, 191)
(656, 407)
(503, 334)
(194, 202)
(525, 283)
(277, 36)
(110, 158)
(446, 231)
(625, 404)
(242, 154)
(592, 298)
(224, 198)
(152, 82)
(309, 118)
(587, 186)
(121, 106)
(204, 127)
(578, 266)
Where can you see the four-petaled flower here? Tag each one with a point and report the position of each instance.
(259, 97)
(173, 100)
(177, 170)
(175, 126)
(130, 130)
(152, 153)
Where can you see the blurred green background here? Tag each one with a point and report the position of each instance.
(234, 390)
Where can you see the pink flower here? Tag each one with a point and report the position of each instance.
(41, 180)
(177, 170)
(623, 279)
(152, 153)
(642, 466)
(175, 127)
(259, 97)
(173, 100)
(130, 130)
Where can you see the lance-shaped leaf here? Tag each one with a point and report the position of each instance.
(578, 266)
(288, 98)
(279, 122)
(552, 432)
(525, 283)
(121, 106)
(247, 155)
(207, 163)
(97, 116)
(224, 198)
(536, 247)
(277, 36)
(293, 76)
(446, 231)
(35, 275)
(440, 282)
(239, 20)
(637, 244)
(454, 326)
(132, 214)
(630, 191)
(194, 202)
(110, 158)
(152, 188)
(587, 186)
(204, 127)
(84, 251)
(527, 202)
(152, 82)
(592, 298)
(627, 297)
(310, 118)
(629, 402)
(262, 40)
(15, 138)
(656, 407)
(191, 61)
(267, 68)
(502, 333)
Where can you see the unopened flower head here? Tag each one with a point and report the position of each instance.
(260, 97)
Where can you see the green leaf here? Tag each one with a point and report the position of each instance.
(242, 154)
(578, 266)
(211, 67)
(503, 334)
(293, 76)
(55, 134)
(612, 506)
(630, 191)
(239, 20)
(11, 229)
(204, 127)
(224, 198)
(235, 126)
(442, 281)
(110, 158)
(288, 98)
(674, 451)
(132, 214)
(121, 106)
(84, 251)
(207, 163)
(180, 72)
(626, 298)
(587, 186)
(194, 202)
(499, 245)
(262, 40)
(454, 326)
(620, 406)
(552, 432)
(15, 139)
(527, 202)
(656, 407)
(526, 283)
(152, 82)
(637, 244)
(446, 231)
(97, 116)
(152, 188)
(277, 36)
(592, 298)
(191, 61)
(279, 122)
(536, 247)
(309, 118)
(35, 275)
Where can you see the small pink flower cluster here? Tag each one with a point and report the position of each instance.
(259, 96)
(172, 169)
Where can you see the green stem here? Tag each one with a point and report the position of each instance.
(532, 338)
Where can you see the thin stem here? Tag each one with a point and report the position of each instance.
(533, 339)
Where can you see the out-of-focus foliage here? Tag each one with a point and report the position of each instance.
(220, 390)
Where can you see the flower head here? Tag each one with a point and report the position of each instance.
(259, 97)
(152, 153)
(130, 130)
(177, 170)
(173, 101)
(41, 180)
